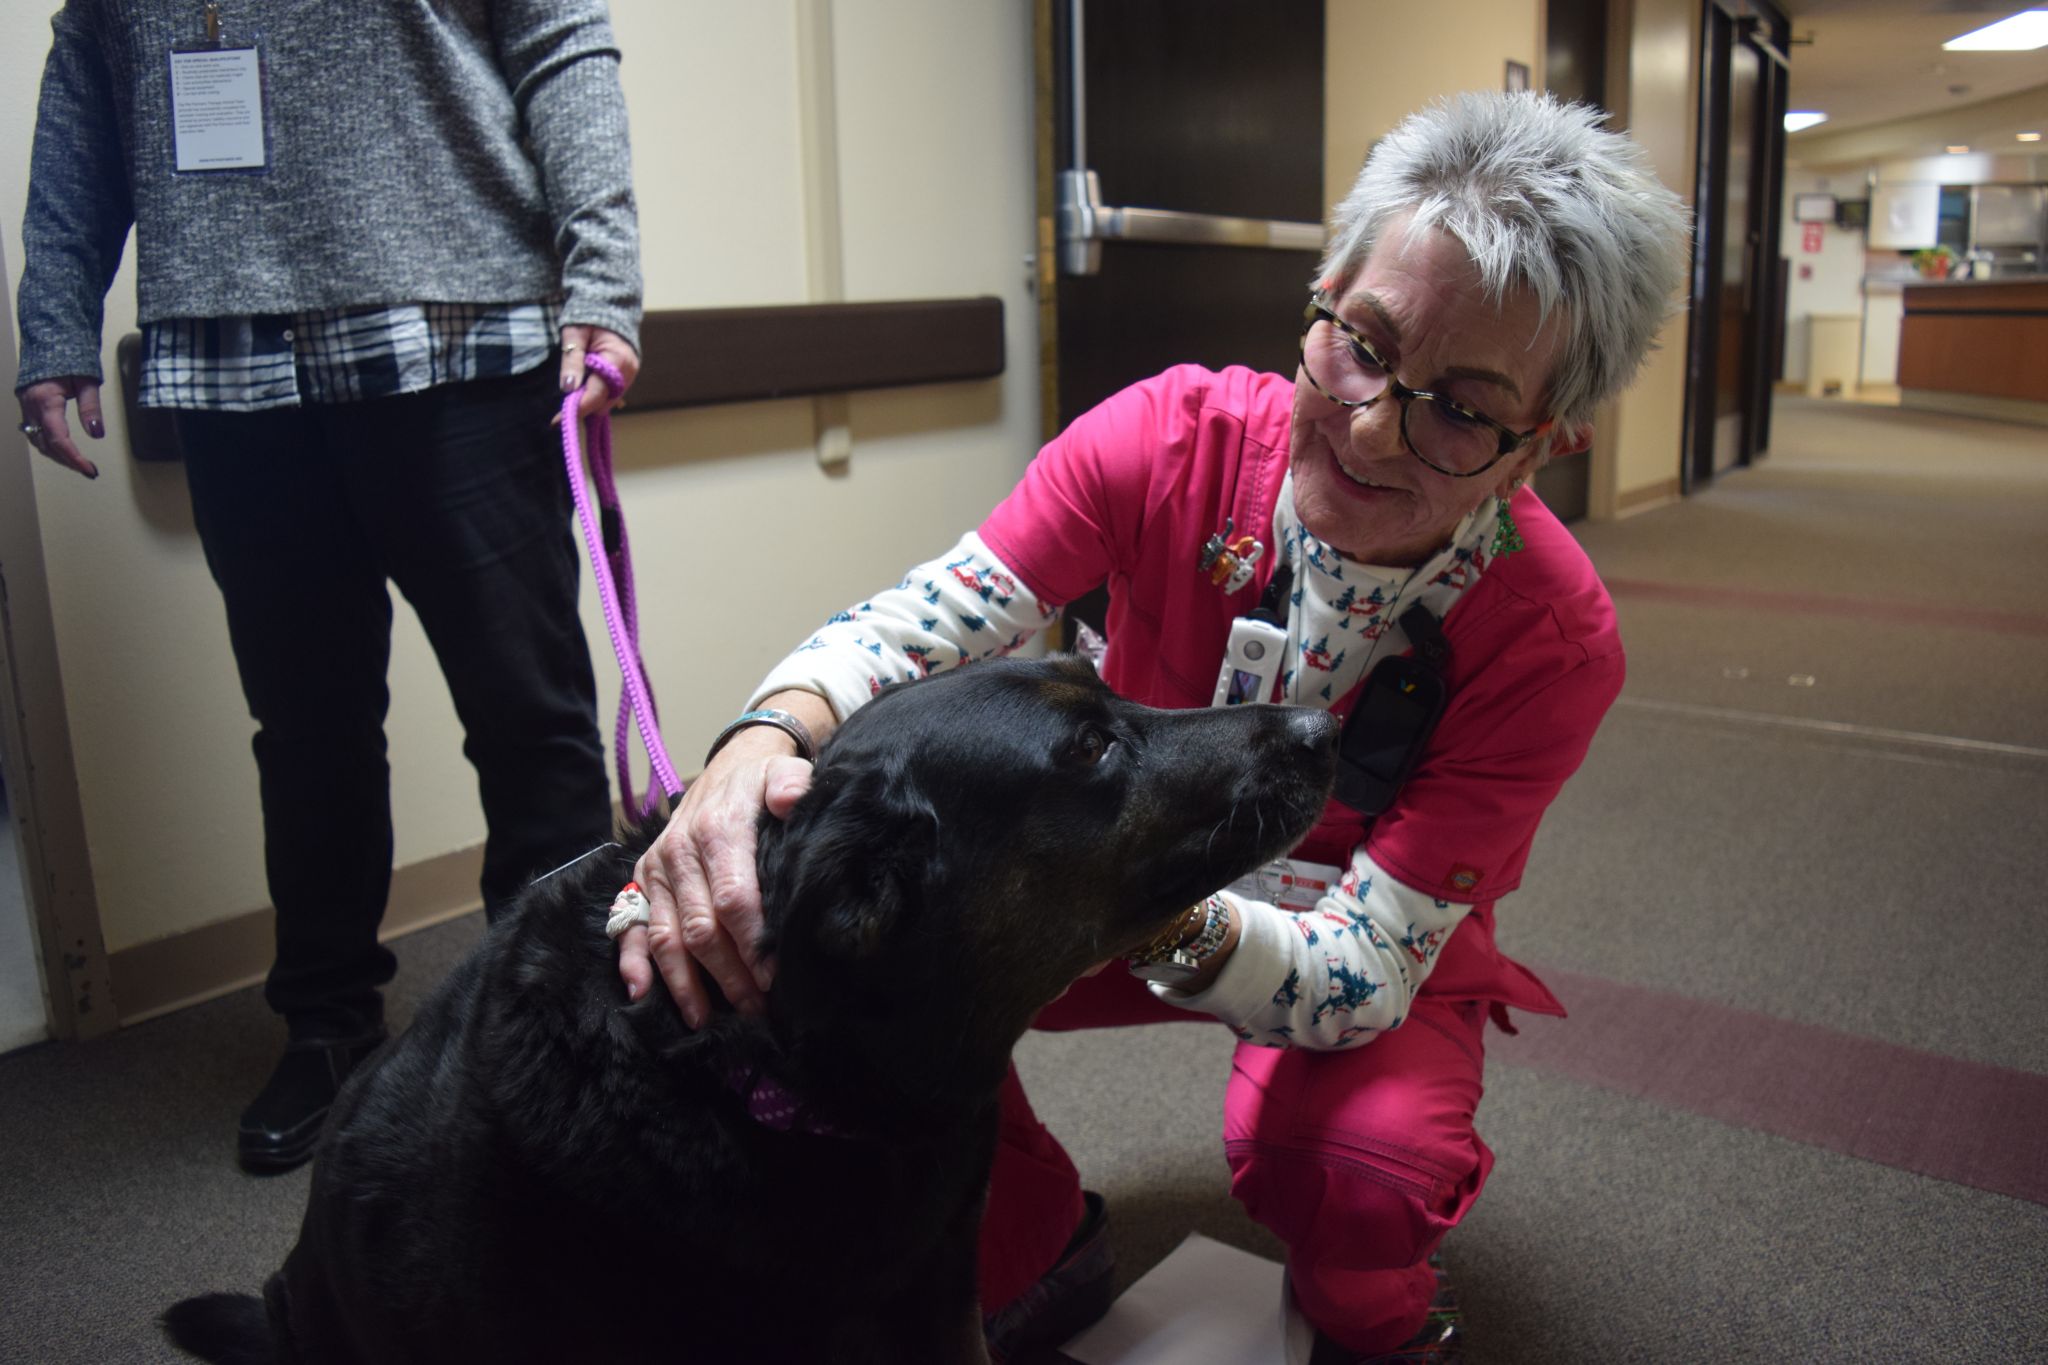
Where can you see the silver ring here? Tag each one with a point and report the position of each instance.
(30, 430)
(572, 346)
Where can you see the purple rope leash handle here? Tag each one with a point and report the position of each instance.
(612, 566)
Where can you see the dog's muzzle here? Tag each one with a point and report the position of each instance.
(628, 909)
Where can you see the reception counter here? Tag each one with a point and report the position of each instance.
(1977, 347)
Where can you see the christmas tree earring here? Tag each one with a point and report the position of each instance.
(1506, 537)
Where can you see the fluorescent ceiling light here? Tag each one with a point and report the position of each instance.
(1956, 151)
(2029, 137)
(1803, 118)
(2023, 32)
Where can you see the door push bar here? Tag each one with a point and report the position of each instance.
(1085, 223)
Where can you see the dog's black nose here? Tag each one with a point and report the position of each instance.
(1311, 728)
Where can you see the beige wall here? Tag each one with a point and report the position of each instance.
(742, 542)
(1641, 440)
(1385, 60)
(1827, 283)
(24, 1011)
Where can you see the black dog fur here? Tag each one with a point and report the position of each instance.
(537, 1170)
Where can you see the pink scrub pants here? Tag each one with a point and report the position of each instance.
(1360, 1161)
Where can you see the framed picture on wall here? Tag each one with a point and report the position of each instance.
(1517, 77)
(1813, 208)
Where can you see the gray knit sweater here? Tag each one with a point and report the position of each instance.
(466, 151)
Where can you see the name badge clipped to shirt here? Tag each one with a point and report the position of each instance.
(1293, 884)
(219, 116)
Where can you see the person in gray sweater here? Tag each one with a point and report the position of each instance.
(373, 247)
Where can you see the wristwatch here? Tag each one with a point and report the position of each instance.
(1180, 958)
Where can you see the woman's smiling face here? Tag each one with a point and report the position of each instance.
(1420, 304)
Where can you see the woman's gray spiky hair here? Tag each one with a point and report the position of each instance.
(1538, 194)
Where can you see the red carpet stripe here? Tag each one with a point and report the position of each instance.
(1928, 613)
(1954, 1120)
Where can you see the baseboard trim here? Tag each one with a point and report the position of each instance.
(1634, 500)
(166, 974)
(1975, 405)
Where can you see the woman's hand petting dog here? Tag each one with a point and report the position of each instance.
(702, 887)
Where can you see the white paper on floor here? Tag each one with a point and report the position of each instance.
(1206, 1304)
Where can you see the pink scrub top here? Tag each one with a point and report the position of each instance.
(1128, 495)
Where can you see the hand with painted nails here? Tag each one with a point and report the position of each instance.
(580, 341)
(42, 419)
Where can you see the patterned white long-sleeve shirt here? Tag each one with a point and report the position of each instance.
(953, 610)
(1334, 974)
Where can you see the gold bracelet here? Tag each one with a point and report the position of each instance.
(1175, 935)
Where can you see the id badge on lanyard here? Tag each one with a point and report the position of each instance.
(1293, 884)
(220, 106)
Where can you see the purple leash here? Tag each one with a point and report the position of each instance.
(611, 564)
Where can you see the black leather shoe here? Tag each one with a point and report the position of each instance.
(280, 1129)
(1067, 1299)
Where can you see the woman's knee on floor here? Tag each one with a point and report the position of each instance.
(1362, 1158)
(1359, 1208)
(1359, 1229)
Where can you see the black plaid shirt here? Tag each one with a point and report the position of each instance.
(279, 360)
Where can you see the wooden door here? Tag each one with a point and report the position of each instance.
(1208, 114)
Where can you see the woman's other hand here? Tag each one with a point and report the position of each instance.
(580, 341)
(42, 408)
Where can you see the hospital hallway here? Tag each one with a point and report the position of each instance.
(1794, 901)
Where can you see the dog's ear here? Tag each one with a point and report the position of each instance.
(880, 888)
(850, 867)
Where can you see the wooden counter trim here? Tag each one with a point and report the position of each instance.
(1992, 355)
(1978, 297)
(1976, 338)
(2041, 312)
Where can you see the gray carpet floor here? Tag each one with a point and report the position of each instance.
(1823, 797)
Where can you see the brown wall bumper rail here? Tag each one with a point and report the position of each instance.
(701, 356)
(697, 357)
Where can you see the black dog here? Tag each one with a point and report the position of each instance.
(539, 1171)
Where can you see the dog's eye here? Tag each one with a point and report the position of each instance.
(1091, 745)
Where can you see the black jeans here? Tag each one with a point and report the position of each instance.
(456, 494)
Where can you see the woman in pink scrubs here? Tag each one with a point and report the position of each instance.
(1499, 270)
